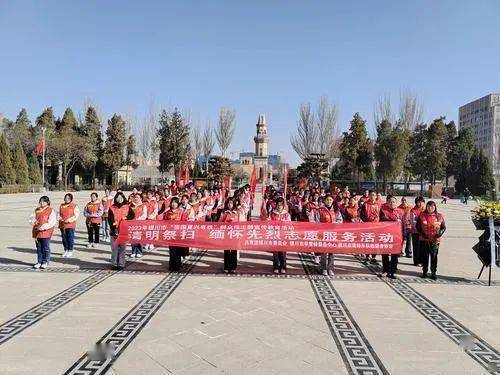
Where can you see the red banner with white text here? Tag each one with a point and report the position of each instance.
(346, 238)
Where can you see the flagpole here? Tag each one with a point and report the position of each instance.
(43, 160)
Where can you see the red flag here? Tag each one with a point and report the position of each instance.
(302, 183)
(40, 148)
(253, 179)
(285, 181)
(186, 173)
(178, 174)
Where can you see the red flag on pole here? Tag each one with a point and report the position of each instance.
(285, 181)
(253, 179)
(40, 148)
(186, 173)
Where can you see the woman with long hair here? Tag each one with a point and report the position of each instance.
(68, 215)
(430, 226)
(117, 212)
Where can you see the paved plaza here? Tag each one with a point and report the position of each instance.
(201, 321)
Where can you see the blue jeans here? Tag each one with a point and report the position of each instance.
(137, 249)
(68, 238)
(105, 227)
(43, 250)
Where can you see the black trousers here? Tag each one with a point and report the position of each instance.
(230, 260)
(175, 261)
(408, 244)
(429, 250)
(390, 263)
(93, 232)
(415, 244)
(279, 260)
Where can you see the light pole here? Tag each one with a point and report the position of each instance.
(43, 159)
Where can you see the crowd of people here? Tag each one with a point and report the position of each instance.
(421, 224)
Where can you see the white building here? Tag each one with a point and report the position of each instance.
(483, 117)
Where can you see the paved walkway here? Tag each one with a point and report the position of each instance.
(202, 321)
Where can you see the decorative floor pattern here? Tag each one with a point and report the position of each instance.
(477, 348)
(357, 353)
(26, 319)
(122, 334)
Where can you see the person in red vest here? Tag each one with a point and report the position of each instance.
(370, 212)
(176, 213)
(152, 211)
(107, 201)
(44, 220)
(231, 214)
(364, 197)
(430, 226)
(174, 190)
(351, 211)
(328, 213)
(391, 212)
(93, 212)
(68, 215)
(415, 241)
(117, 213)
(137, 211)
(279, 214)
(406, 209)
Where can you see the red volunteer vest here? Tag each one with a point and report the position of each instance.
(280, 216)
(137, 210)
(327, 215)
(414, 215)
(392, 214)
(430, 224)
(230, 216)
(352, 214)
(176, 215)
(106, 202)
(93, 208)
(42, 217)
(372, 211)
(119, 214)
(65, 212)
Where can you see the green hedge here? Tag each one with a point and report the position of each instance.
(11, 189)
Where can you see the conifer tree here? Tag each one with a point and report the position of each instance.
(116, 142)
(7, 173)
(91, 129)
(174, 142)
(20, 164)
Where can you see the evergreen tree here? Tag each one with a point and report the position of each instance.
(436, 152)
(116, 142)
(20, 164)
(68, 121)
(355, 149)
(7, 173)
(451, 138)
(45, 120)
(174, 142)
(418, 157)
(91, 129)
(34, 170)
(219, 168)
(384, 149)
(461, 156)
(23, 131)
(480, 175)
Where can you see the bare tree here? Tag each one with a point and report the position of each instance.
(208, 143)
(197, 141)
(383, 110)
(146, 134)
(328, 133)
(305, 141)
(411, 110)
(225, 130)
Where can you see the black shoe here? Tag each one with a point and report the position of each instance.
(373, 261)
(424, 275)
(408, 255)
(119, 268)
(433, 276)
(114, 268)
(392, 276)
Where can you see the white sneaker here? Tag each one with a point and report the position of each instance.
(132, 255)
(89, 245)
(151, 247)
(331, 273)
(325, 273)
(37, 266)
(316, 259)
(138, 255)
(70, 254)
(94, 244)
(276, 271)
(43, 266)
(65, 254)
(283, 271)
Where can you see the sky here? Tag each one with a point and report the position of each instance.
(253, 57)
